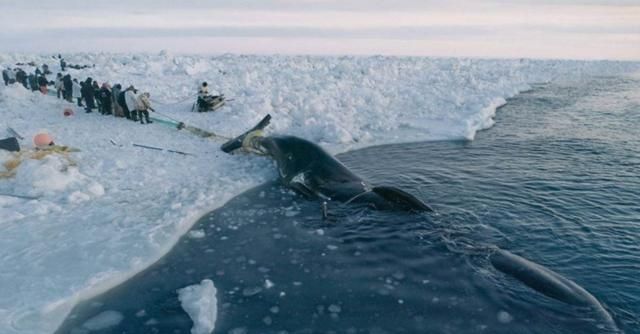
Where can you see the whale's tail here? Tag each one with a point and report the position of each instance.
(551, 284)
(236, 142)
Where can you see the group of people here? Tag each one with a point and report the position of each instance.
(128, 103)
(107, 100)
(34, 81)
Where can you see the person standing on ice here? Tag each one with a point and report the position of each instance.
(143, 105)
(21, 77)
(76, 91)
(63, 64)
(68, 88)
(5, 76)
(130, 98)
(122, 102)
(12, 76)
(96, 94)
(88, 95)
(42, 84)
(105, 99)
(59, 86)
(117, 108)
(33, 81)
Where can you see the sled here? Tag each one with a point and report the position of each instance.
(210, 103)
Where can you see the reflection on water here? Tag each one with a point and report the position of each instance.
(556, 181)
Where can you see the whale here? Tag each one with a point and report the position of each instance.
(552, 285)
(312, 172)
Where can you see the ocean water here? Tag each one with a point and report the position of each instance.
(555, 181)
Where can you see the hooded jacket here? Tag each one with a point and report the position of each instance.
(130, 98)
(142, 102)
(76, 90)
(59, 83)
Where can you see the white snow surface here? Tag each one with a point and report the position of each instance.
(201, 304)
(109, 211)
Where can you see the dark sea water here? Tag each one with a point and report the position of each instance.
(555, 181)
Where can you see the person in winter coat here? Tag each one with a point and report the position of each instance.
(59, 86)
(12, 76)
(117, 108)
(105, 99)
(68, 88)
(5, 76)
(42, 85)
(122, 102)
(21, 77)
(130, 98)
(63, 63)
(88, 95)
(96, 94)
(143, 105)
(203, 92)
(76, 91)
(33, 82)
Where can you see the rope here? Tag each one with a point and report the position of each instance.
(174, 103)
(169, 117)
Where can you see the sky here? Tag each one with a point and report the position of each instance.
(564, 29)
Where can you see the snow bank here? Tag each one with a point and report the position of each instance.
(81, 223)
(199, 301)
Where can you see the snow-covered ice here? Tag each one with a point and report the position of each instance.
(88, 220)
(199, 301)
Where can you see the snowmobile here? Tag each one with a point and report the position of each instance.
(209, 103)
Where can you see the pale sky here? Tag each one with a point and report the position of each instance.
(567, 29)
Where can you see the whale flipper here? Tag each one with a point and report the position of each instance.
(403, 199)
(236, 142)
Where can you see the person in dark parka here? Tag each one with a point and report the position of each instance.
(115, 92)
(21, 77)
(33, 81)
(42, 84)
(88, 95)
(122, 102)
(68, 87)
(105, 98)
(96, 93)
(5, 76)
